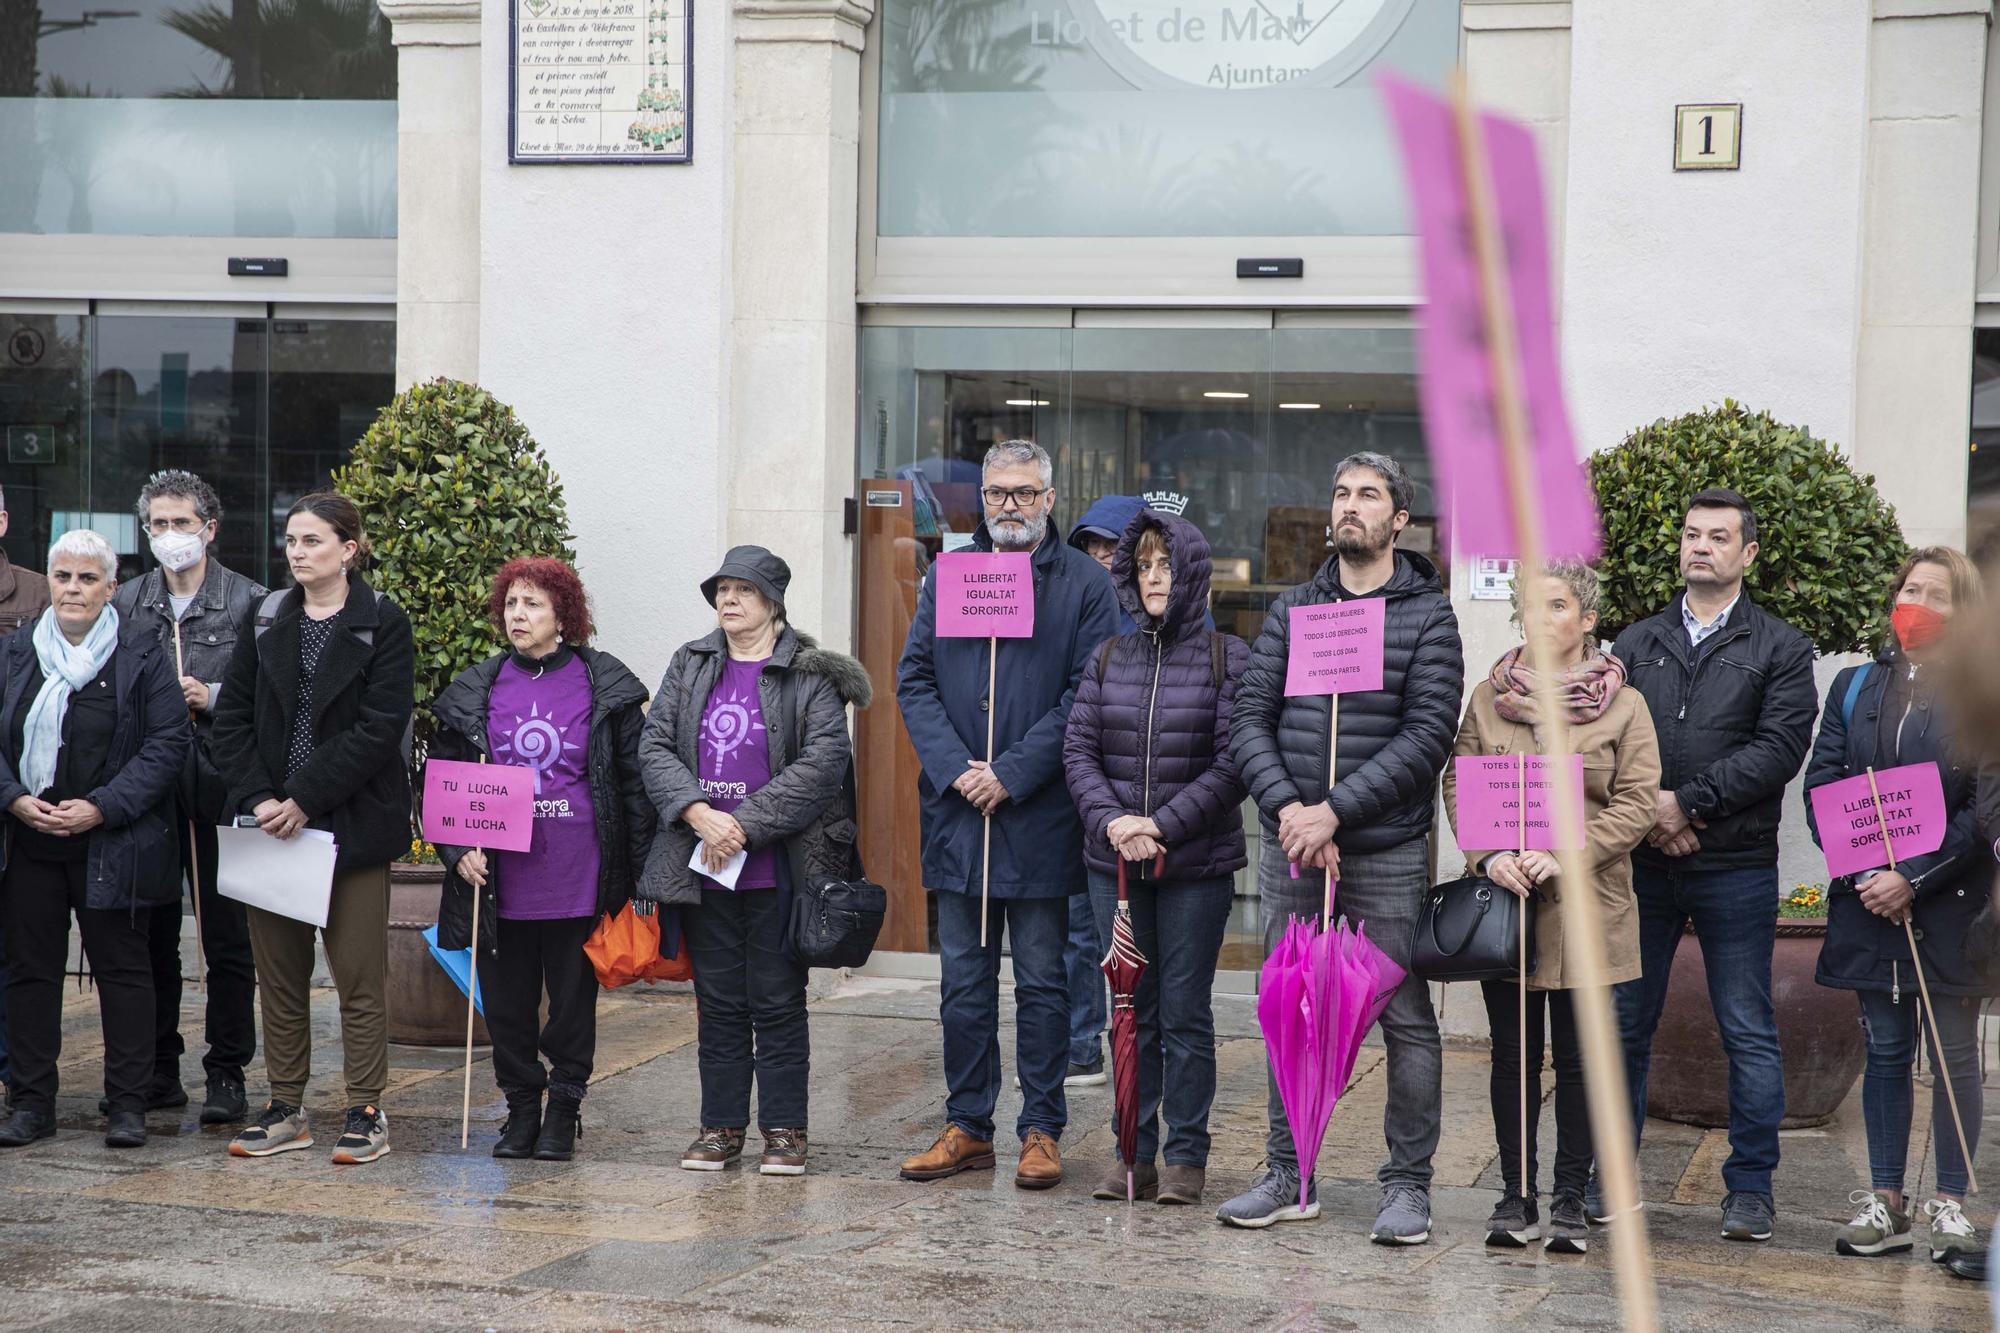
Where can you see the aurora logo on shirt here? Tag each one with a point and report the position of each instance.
(728, 724)
(536, 742)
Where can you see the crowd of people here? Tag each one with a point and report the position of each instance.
(136, 718)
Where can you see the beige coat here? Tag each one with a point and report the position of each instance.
(1621, 778)
(24, 594)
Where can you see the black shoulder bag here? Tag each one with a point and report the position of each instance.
(835, 922)
(1469, 930)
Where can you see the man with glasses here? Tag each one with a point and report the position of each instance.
(1037, 840)
(198, 608)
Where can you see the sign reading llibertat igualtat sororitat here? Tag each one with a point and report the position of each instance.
(600, 81)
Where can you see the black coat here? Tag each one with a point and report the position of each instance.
(1863, 951)
(222, 611)
(1151, 737)
(356, 785)
(1734, 718)
(1393, 741)
(134, 855)
(624, 818)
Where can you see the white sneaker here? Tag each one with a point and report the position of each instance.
(1950, 1231)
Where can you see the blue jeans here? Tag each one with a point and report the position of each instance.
(1083, 961)
(1886, 1098)
(1178, 927)
(969, 1009)
(1735, 917)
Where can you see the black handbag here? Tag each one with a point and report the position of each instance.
(835, 922)
(1469, 930)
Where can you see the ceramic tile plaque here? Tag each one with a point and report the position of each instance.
(600, 81)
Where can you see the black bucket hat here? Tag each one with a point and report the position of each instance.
(755, 565)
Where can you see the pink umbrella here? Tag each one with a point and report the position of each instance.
(1321, 990)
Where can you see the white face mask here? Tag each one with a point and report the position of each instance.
(178, 550)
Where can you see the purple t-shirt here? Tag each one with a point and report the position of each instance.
(544, 724)
(736, 758)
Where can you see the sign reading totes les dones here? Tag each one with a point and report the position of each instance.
(479, 805)
(1335, 647)
(985, 595)
(1913, 810)
(1491, 793)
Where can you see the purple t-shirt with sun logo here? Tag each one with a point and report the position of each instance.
(736, 758)
(543, 722)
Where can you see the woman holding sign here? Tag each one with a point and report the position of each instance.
(1611, 728)
(573, 715)
(1880, 716)
(311, 734)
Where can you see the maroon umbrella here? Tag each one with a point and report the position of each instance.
(1123, 966)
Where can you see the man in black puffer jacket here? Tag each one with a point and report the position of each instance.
(1370, 829)
(1731, 690)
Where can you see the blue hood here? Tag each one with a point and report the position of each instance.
(1107, 518)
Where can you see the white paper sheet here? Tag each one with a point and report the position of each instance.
(731, 868)
(290, 876)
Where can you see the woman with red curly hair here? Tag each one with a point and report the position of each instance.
(573, 715)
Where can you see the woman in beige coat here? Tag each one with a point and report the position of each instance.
(1610, 726)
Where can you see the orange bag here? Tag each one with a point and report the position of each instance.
(626, 948)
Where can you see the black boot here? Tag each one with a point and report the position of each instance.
(125, 1129)
(25, 1126)
(562, 1126)
(224, 1104)
(518, 1135)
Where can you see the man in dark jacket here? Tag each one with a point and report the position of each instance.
(1731, 691)
(1037, 840)
(195, 608)
(1368, 827)
(24, 595)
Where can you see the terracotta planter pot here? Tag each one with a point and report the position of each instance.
(425, 1007)
(1819, 1031)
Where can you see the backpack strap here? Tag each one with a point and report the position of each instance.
(1104, 658)
(1854, 683)
(267, 615)
(1217, 658)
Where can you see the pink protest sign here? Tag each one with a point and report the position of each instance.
(1912, 808)
(1335, 648)
(1491, 790)
(479, 805)
(985, 595)
(1461, 422)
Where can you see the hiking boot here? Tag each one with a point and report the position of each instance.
(953, 1151)
(1569, 1226)
(1181, 1184)
(562, 1126)
(224, 1104)
(1747, 1215)
(281, 1128)
(1515, 1223)
(1404, 1217)
(784, 1153)
(1089, 1075)
(364, 1138)
(164, 1093)
(518, 1134)
(1951, 1233)
(713, 1150)
(1275, 1198)
(1877, 1228)
(26, 1125)
(1041, 1163)
(1145, 1181)
(125, 1129)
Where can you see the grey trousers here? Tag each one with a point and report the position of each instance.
(1381, 890)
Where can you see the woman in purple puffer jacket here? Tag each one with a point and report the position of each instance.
(1147, 759)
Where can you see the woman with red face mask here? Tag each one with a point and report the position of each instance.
(1883, 715)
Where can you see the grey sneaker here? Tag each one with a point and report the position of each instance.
(1275, 1198)
(1515, 1222)
(1747, 1215)
(1090, 1075)
(364, 1138)
(1876, 1229)
(1951, 1233)
(1404, 1217)
(1569, 1226)
(281, 1128)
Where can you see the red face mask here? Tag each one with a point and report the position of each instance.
(1917, 626)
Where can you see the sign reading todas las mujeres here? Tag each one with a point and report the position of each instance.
(600, 81)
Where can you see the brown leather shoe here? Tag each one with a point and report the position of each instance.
(1145, 1180)
(954, 1151)
(1041, 1162)
(1181, 1184)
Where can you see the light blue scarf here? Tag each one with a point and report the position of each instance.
(66, 668)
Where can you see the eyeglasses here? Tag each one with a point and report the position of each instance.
(160, 526)
(996, 497)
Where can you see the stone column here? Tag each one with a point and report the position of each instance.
(792, 326)
(437, 187)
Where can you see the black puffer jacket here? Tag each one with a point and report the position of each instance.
(1393, 741)
(624, 817)
(1863, 951)
(1734, 719)
(1151, 737)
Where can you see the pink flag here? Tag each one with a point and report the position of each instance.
(1912, 807)
(1335, 647)
(479, 805)
(1490, 794)
(985, 594)
(1461, 421)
